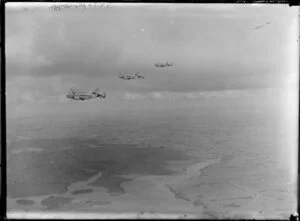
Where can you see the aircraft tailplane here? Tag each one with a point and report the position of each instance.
(103, 95)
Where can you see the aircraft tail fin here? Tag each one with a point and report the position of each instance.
(96, 91)
(72, 91)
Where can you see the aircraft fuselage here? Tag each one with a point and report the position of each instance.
(84, 96)
(130, 77)
(161, 65)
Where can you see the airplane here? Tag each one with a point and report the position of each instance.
(258, 27)
(76, 95)
(131, 76)
(161, 65)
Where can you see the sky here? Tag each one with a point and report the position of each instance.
(214, 47)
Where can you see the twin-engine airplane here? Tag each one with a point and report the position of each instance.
(131, 76)
(161, 65)
(258, 27)
(77, 95)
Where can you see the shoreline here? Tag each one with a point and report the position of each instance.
(190, 172)
(145, 194)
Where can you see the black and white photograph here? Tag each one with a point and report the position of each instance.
(161, 110)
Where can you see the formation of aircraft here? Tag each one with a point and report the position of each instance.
(76, 95)
(161, 65)
(79, 95)
(131, 76)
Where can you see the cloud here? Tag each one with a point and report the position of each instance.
(157, 95)
(20, 43)
(131, 96)
(52, 99)
(20, 95)
(53, 44)
(227, 94)
(31, 89)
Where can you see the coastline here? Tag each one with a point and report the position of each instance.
(200, 190)
(158, 183)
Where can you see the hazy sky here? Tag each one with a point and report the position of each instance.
(213, 48)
